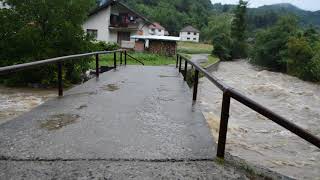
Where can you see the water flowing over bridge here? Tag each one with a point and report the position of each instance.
(131, 122)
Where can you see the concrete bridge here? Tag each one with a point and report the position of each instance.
(133, 122)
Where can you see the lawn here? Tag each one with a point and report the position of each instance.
(147, 58)
(194, 48)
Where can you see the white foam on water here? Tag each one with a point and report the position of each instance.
(16, 101)
(254, 137)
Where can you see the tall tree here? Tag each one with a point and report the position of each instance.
(238, 30)
(40, 29)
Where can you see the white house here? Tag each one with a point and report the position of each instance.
(116, 22)
(3, 4)
(156, 29)
(190, 33)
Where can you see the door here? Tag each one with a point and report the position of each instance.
(123, 36)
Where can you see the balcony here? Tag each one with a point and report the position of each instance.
(123, 22)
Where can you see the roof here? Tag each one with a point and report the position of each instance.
(164, 38)
(190, 29)
(113, 2)
(156, 25)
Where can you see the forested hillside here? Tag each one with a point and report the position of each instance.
(175, 14)
(266, 16)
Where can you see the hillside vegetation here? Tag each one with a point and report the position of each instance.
(175, 14)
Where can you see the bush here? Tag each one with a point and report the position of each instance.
(48, 29)
(104, 46)
(288, 49)
(222, 46)
(270, 47)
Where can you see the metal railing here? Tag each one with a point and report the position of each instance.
(135, 59)
(229, 93)
(59, 61)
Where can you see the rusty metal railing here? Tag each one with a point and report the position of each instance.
(59, 61)
(229, 93)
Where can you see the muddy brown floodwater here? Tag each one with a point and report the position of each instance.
(16, 101)
(257, 139)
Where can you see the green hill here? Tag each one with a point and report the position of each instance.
(267, 15)
(175, 14)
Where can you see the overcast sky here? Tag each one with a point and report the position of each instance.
(312, 5)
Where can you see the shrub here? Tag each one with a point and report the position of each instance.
(104, 46)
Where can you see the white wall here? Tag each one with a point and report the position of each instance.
(144, 27)
(156, 32)
(3, 5)
(193, 37)
(100, 22)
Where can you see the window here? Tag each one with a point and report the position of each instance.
(194, 39)
(188, 38)
(93, 33)
(195, 33)
(189, 33)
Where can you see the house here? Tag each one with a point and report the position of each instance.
(156, 29)
(164, 45)
(3, 5)
(116, 22)
(190, 33)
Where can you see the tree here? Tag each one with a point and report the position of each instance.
(270, 45)
(41, 29)
(218, 30)
(286, 48)
(238, 31)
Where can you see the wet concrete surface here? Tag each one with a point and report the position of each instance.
(118, 170)
(133, 113)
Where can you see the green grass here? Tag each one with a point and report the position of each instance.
(194, 48)
(147, 58)
(211, 60)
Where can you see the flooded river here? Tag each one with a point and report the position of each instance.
(257, 139)
(15, 101)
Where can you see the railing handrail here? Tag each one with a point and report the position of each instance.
(135, 59)
(228, 93)
(14, 68)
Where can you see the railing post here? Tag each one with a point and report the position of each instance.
(180, 61)
(185, 69)
(97, 65)
(60, 83)
(120, 57)
(223, 124)
(195, 85)
(125, 57)
(177, 61)
(115, 60)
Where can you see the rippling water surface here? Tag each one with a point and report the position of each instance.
(257, 139)
(15, 101)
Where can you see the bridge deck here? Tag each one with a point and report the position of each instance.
(135, 112)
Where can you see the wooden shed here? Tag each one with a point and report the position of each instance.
(164, 45)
